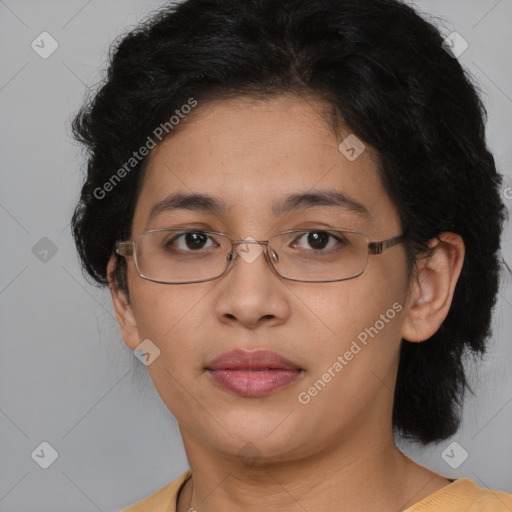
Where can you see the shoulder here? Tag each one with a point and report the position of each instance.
(163, 500)
(464, 495)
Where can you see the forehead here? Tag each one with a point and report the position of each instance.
(251, 155)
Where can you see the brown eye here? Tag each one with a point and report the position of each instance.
(318, 241)
(189, 241)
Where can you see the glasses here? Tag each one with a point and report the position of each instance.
(180, 256)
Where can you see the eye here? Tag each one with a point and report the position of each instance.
(319, 240)
(189, 241)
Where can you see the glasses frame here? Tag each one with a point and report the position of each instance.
(127, 249)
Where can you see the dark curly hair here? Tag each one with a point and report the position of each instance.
(382, 70)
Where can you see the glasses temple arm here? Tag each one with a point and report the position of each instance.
(379, 247)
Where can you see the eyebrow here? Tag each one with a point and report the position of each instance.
(300, 201)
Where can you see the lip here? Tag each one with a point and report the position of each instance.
(256, 360)
(252, 374)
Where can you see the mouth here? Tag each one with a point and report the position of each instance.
(253, 374)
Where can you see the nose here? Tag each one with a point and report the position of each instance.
(252, 293)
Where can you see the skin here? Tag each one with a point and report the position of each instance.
(338, 451)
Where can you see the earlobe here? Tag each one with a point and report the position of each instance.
(122, 309)
(432, 287)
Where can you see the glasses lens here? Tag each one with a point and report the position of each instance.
(320, 255)
(179, 256)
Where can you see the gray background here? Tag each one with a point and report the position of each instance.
(66, 377)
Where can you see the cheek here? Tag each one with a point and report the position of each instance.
(169, 316)
(356, 356)
(341, 310)
(359, 320)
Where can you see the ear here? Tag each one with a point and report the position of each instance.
(432, 287)
(123, 309)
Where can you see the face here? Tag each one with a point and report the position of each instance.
(344, 336)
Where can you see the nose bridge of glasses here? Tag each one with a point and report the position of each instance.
(270, 251)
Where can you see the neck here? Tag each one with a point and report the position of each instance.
(356, 475)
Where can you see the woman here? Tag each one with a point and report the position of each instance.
(293, 206)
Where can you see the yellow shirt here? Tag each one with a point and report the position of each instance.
(462, 495)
